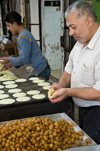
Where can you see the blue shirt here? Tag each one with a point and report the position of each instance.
(30, 53)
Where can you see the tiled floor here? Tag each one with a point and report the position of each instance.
(55, 76)
(56, 73)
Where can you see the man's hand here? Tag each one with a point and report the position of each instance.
(4, 60)
(6, 66)
(55, 86)
(60, 95)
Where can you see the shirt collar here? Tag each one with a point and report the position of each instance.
(21, 33)
(94, 39)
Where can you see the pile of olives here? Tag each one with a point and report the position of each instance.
(38, 134)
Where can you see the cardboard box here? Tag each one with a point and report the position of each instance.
(7, 46)
(7, 49)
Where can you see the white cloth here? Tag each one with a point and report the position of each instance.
(84, 67)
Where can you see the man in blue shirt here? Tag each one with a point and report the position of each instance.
(30, 54)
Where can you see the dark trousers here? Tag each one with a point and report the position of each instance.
(89, 120)
(44, 74)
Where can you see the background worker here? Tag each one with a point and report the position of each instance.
(82, 71)
(30, 54)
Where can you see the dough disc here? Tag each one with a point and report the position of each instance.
(38, 96)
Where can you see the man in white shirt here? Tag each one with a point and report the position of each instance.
(82, 71)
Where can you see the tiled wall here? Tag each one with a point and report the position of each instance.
(52, 36)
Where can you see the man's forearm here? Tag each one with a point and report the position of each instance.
(65, 80)
(84, 93)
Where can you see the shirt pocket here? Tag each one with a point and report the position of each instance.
(86, 76)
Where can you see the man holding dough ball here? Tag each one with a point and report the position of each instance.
(30, 54)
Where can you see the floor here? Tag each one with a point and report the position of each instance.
(55, 75)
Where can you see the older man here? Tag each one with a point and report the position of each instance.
(82, 71)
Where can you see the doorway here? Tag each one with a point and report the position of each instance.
(51, 32)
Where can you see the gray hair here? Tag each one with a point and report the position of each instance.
(81, 8)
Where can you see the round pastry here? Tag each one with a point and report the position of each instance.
(14, 90)
(23, 99)
(8, 82)
(32, 92)
(20, 94)
(38, 96)
(51, 93)
(7, 101)
(21, 80)
(11, 86)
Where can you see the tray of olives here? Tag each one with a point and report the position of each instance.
(54, 132)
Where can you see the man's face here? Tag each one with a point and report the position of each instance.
(11, 27)
(78, 28)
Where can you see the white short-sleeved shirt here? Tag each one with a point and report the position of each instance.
(84, 67)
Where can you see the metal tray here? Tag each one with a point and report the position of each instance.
(58, 116)
(25, 86)
(65, 117)
(86, 148)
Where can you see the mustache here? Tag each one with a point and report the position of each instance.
(75, 36)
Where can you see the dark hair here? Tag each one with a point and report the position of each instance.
(82, 8)
(12, 17)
